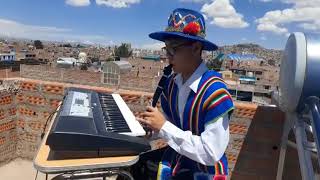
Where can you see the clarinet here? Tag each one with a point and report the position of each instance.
(166, 73)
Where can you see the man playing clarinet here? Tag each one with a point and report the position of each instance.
(196, 106)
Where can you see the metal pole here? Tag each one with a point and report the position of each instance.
(303, 146)
(306, 167)
(313, 103)
(284, 141)
(237, 89)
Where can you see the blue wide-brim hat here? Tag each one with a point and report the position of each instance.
(186, 24)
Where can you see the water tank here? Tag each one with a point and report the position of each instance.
(250, 74)
(82, 57)
(299, 71)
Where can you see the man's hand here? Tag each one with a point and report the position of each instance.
(159, 143)
(153, 118)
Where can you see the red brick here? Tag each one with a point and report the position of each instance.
(36, 126)
(21, 123)
(53, 89)
(54, 103)
(2, 140)
(12, 111)
(7, 126)
(20, 97)
(27, 112)
(2, 114)
(5, 100)
(238, 129)
(29, 86)
(36, 100)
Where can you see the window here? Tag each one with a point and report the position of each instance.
(79, 101)
(111, 77)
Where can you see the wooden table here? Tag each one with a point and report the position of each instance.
(42, 164)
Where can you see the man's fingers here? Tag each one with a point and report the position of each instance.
(139, 119)
(147, 120)
(142, 120)
(151, 109)
(147, 114)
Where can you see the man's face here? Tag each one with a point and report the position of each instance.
(178, 53)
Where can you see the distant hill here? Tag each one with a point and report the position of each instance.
(272, 56)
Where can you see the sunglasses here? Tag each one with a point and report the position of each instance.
(172, 50)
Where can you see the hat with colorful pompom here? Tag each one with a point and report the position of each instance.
(186, 24)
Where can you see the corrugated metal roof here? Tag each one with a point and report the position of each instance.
(121, 63)
(242, 57)
(152, 57)
(124, 66)
(247, 78)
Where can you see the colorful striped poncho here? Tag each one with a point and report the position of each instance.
(211, 102)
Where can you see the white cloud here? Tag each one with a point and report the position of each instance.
(10, 27)
(311, 26)
(195, 1)
(265, 1)
(154, 46)
(272, 28)
(304, 13)
(223, 14)
(14, 29)
(244, 39)
(109, 3)
(78, 3)
(302, 3)
(263, 38)
(117, 3)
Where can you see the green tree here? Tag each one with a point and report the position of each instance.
(123, 51)
(38, 44)
(67, 45)
(80, 46)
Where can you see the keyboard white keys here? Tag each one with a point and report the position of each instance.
(134, 125)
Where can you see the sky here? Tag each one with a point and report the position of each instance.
(110, 22)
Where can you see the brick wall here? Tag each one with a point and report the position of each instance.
(36, 101)
(45, 72)
(8, 135)
(8, 73)
(144, 82)
(31, 106)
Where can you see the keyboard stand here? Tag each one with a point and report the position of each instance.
(78, 168)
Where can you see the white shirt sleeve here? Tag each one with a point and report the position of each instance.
(207, 148)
